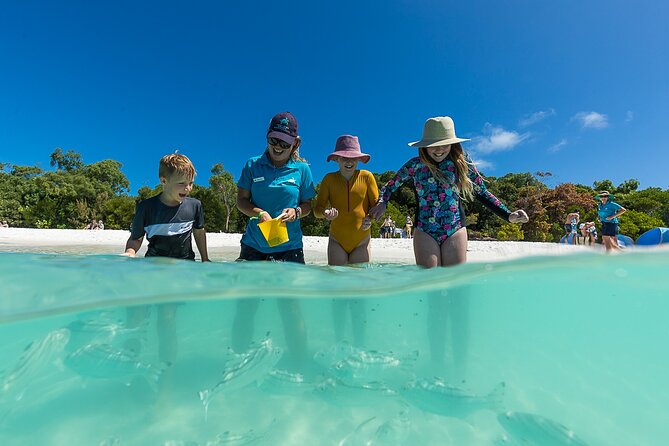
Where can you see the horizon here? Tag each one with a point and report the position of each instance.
(133, 82)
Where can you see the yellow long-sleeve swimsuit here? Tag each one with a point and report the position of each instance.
(353, 199)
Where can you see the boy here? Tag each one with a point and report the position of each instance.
(168, 220)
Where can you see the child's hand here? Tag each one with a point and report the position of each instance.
(330, 214)
(519, 216)
(366, 223)
(377, 211)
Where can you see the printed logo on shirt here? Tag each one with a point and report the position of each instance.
(259, 179)
(291, 180)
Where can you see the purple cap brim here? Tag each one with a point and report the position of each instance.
(282, 136)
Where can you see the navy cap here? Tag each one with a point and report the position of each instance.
(284, 127)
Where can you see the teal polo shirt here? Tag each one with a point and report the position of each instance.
(274, 189)
(607, 210)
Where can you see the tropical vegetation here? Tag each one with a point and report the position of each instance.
(73, 193)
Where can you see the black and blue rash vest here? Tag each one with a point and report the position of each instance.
(168, 228)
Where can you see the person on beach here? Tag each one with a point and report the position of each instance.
(582, 234)
(591, 232)
(386, 227)
(608, 212)
(588, 232)
(168, 220)
(443, 176)
(344, 198)
(408, 226)
(276, 184)
(571, 226)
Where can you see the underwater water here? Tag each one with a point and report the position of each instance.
(566, 350)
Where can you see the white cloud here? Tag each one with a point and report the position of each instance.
(535, 117)
(482, 164)
(496, 139)
(591, 120)
(629, 116)
(557, 147)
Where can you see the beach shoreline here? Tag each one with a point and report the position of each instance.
(225, 246)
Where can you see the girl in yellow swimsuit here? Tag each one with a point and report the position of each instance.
(344, 198)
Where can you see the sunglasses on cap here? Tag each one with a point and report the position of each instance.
(276, 142)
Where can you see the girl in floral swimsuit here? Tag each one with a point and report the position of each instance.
(439, 211)
(443, 175)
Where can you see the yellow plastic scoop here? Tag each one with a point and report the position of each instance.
(274, 231)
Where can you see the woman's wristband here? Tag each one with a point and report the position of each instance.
(260, 213)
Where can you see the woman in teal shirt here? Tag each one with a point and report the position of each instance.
(276, 184)
(609, 211)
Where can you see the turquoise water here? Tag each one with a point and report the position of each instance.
(551, 351)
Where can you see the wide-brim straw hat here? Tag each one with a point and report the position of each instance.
(438, 131)
(605, 193)
(348, 146)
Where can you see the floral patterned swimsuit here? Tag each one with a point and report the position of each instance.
(440, 212)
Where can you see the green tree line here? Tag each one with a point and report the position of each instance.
(74, 193)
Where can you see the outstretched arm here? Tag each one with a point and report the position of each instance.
(492, 202)
(132, 246)
(200, 236)
(391, 186)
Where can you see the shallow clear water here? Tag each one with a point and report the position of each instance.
(576, 343)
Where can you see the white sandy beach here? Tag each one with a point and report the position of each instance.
(225, 247)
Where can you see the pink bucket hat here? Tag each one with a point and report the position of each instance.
(348, 146)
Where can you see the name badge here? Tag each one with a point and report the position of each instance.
(256, 180)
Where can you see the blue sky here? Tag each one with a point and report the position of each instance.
(580, 89)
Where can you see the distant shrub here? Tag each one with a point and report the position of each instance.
(42, 224)
(510, 231)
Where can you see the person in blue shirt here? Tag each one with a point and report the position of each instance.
(276, 184)
(608, 212)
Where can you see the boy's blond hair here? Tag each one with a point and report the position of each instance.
(176, 163)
